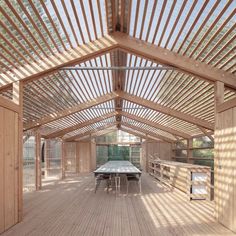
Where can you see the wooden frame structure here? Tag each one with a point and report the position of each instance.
(195, 39)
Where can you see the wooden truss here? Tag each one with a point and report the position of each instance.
(39, 39)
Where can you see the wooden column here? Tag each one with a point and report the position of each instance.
(77, 164)
(46, 157)
(38, 171)
(146, 155)
(219, 98)
(225, 160)
(63, 160)
(189, 150)
(18, 99)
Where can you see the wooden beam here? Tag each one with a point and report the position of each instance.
(70, 111)
(158, 136)
(206, 133)
(135, 133)
(167, 57)
(166, 110)
(70, 57)
(9, 104)
(91, 132)
(226, 105)
(79, 126)
(155, 125)
(189, 149)
(97, 134)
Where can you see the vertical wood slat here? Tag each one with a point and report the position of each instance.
(9, 164)
(9, 173)
(18, 99)
(38, 176)
(63, 160)
(46, 157)
(2, 177)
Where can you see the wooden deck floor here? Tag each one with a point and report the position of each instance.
(70, 207)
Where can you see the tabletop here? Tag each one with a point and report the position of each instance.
(117, 167)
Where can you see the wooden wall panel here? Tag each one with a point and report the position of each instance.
(162, 149)
(9, 164)
(83, 156)
(225, 168)
(2, 177)
(70, 156)
(143, 160)
(93, 155)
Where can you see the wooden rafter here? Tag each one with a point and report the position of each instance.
(156, 125)
(68, 58)
(207, 134)
(70, 111)
(129, 44)
(158, 136)
(167, 57)
(166, 110)
(92, 132)
(136, 133)
(78, 126)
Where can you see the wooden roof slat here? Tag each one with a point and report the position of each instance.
(184, 23)
(61, 22)
(167, 57)
(99, 129)
(69, 111)
(197, 17)
(166, 110)
(79, 126)
(219, 15)
(68, 17)
(134, 127)
(167, 21)
(204, 22)
(199, 53)
(71, 57)
(53, 24)
(156, 125)
(159, 20)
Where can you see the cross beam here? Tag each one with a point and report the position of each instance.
(158, 136)
(166, 110)
(156, 125)
(69, 111)
(61, 133)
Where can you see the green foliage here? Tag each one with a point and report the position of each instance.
(116, 152)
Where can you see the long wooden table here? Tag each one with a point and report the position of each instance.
(116, 168)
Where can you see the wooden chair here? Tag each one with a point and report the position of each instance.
(102, 177)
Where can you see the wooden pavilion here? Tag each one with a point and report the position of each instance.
(73, 70)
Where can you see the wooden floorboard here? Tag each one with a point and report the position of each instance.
(70, 207)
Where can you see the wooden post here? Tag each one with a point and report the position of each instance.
(46, 157)
(63, 161)
(18, 99)
(146, 154)
(173, 151)
(189, 150)
(38, 172)
(219, 98)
